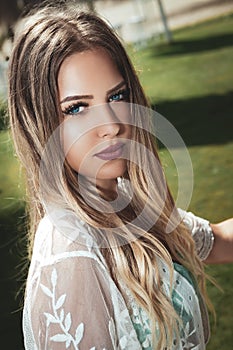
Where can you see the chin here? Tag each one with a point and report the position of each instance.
(112, 170)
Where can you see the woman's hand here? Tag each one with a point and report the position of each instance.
(222, 251)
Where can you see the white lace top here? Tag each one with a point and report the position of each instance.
(72, 302)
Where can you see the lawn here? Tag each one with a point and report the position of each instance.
(191, 84)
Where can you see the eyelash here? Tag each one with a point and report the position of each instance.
(123, 92)
(70, 109)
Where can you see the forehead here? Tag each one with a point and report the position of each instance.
(83, 72)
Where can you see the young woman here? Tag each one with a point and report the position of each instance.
(104, 273)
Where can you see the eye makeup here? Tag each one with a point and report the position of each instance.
(121, 95)
(79, 106)
(75, 108)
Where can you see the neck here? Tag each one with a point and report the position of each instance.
(108, 189)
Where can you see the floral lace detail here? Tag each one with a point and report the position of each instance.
(126, 341)
(65, 321)
(201, 233)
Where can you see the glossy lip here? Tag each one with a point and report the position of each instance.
(111, 152)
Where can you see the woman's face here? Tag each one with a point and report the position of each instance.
(93, 97)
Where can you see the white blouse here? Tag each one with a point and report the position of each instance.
(72, 302)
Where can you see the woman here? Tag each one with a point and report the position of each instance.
(104, 272)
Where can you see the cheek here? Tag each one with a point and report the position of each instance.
(71, 134)
(79, 149)
(75, 142)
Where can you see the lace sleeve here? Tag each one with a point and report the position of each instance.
(68, 306)
(201, 232)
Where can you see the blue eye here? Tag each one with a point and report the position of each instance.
(75, 109)
(116, 97)
(122, 95)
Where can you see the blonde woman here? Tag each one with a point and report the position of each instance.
(104, 273)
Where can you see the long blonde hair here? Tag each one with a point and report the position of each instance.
(48, 37)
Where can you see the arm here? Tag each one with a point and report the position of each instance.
(222, 251)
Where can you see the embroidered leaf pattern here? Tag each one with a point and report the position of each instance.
(46, 290)
(54, 278)
(79, 333)
(51, 318)
(68, 343)
(63, 320)
(60, 301)
(62, 315)
(68, 322)
(60, 338)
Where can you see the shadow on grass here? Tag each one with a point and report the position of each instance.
(201, 121)
(12, 255)
(180, 47)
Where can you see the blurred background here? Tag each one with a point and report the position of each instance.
(183, 52)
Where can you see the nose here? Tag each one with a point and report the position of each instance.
(109, 124)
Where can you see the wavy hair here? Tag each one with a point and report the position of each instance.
(49, 36)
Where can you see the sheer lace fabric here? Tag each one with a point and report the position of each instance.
(72, 302)
(201, 232)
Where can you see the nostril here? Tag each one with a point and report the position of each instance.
(110, 130)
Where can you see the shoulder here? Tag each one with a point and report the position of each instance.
(63, 236)
(44, 227)
(68, 258)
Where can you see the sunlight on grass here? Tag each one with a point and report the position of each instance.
(213, 173)
(190, 67)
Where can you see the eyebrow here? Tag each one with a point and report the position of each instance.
(81, 97)
(76, 97)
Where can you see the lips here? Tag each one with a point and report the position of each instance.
(111, 152)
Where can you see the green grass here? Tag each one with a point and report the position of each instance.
(213, 173)
(198, 63)
(191, 84)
